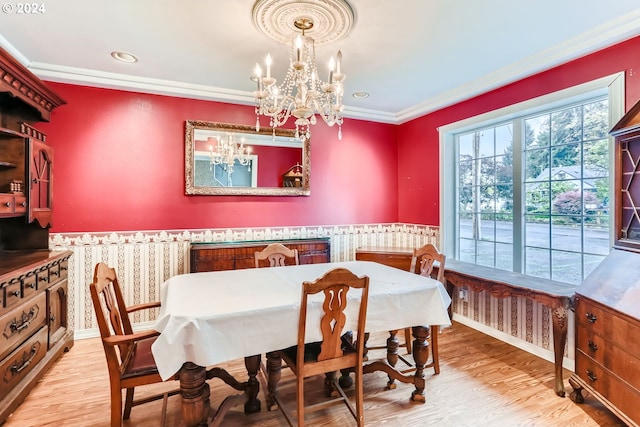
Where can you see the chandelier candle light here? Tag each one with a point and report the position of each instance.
(225, 151)
(302, 94)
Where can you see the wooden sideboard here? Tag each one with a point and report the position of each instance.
(33, 280)
(237, 255)
(33, 321)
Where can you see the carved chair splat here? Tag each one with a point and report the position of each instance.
(332, 353)
(277, 254)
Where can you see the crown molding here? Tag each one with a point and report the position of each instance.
(86, 77)
(596, 39)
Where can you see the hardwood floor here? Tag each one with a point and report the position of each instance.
(483, 382)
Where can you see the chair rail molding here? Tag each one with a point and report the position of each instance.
(145, 259)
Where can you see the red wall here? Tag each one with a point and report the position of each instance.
(119, 158)
(418, 140)
(119, 166)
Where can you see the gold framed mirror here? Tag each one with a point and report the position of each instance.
(229, 159)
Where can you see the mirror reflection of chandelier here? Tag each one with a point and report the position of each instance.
(226, 151)
(306, 90)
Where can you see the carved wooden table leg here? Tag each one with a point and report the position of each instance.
(329, 387)
(345, 379)
(392, 356)
(274, 369)
(252, 405)
(559, 315)
(420, 356)
(195, 394)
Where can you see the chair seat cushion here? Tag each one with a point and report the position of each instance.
(312, 350)
(140, 360)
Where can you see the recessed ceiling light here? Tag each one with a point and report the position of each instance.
(124, 56)
(360, 95)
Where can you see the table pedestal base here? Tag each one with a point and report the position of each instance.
(420, 356)
(196, 407)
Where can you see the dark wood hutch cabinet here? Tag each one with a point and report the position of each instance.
(608, 300)
(33, 280)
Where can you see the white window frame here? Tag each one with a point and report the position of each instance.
(613, 86)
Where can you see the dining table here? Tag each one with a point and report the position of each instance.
(209, 318)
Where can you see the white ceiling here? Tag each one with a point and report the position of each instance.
(412, 56)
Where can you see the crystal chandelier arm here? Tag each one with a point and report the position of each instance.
(301, 94)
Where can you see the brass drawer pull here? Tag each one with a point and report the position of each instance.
(592, 346)
(15, 293)
(25, 321)
(591, 317)
(591, 375)
(26, 360)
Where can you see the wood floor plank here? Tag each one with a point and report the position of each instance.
(483, 382)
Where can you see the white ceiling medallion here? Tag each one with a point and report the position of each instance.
(332, 19)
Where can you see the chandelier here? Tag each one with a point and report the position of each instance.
(303, 93)
(225, 151)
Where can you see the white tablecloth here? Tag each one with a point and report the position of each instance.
(213, 317)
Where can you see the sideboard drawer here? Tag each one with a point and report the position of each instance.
(20, 204)
(610, 386)
(19, 363)
(613, 326)
(29, 284)
(12, 293)
(17, 325)
(43, 277)
(7, 204)
(613, 357)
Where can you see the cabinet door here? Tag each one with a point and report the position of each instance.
(40, 173)
(57, 311)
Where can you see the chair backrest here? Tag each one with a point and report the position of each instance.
(424, 259)
(111, 311)
(276, 253)
(335, 284)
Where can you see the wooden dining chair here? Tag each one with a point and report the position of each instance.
(277, 254)
(332, 353)
(129, 359)
(423, 261)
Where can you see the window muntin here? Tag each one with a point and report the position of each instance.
(563, 232)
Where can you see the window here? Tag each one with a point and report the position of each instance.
(526, 188)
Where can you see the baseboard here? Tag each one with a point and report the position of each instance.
(509, 339)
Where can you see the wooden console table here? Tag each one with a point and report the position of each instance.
(239, 255)
(503, 284)
(500, 284)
